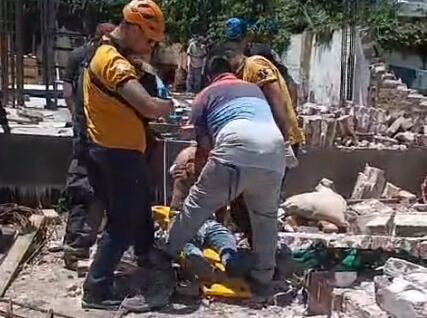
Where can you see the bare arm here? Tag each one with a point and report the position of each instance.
(69, 97)
(277, 99)
(150, 107)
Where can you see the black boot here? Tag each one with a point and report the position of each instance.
(104, 300)
(73, 255)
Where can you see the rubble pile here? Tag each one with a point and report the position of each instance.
(402, 290)
(365, 272)
(395, 119)
(378, 216)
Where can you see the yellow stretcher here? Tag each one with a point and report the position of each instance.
(232, 288)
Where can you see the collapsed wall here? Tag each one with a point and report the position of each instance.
(396, 117)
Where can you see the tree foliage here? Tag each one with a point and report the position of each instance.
(272, 21)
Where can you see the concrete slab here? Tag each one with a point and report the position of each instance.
(410, 225)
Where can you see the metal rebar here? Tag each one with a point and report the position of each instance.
(12, 69)
(19, 45)
(46, 56)
(4, 52)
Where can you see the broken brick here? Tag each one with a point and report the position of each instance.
(410, 225)
(378, 224)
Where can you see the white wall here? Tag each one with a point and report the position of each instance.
(292, 56)
(323, 74)
(325, 71)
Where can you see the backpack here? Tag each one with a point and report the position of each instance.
(81, 141)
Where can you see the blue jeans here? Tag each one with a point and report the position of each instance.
(215, 236)
(120, 178)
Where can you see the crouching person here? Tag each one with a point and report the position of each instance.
(212, 234)
(236, 132)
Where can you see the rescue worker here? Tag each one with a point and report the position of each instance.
(237, 30)
(259, 70)
(77, 56)
(116, 108)
(232, 119)
(86, 211)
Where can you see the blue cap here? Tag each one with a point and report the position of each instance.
(235, 29)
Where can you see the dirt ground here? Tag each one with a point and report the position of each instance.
(48, 285)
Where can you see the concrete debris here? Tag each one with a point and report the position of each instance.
(415, 246)
(420, 207)
(410, 225)
(395, 118)
(402, 291)
(357, 303)
(370, 206)
(375, 224)
(407, 196)
(390, 191)
(396, 267)
(400, 298)
(370, 184)
(394, 192)
(370, 217)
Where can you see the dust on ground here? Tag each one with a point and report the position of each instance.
(46, 284)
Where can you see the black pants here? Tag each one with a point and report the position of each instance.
(120, 178)
(86, 211)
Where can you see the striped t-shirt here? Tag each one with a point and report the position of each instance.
(236, 115)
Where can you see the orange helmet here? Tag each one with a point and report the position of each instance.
(148, 16)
